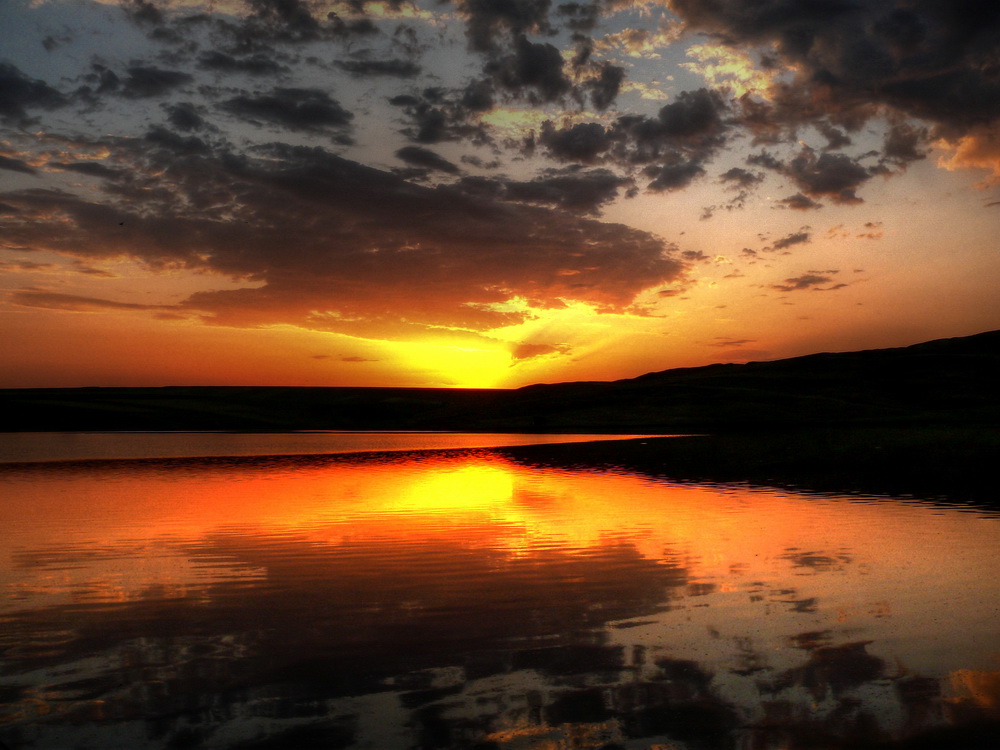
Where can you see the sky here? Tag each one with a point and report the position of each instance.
(488, 193)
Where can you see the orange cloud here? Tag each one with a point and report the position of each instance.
(978, 149)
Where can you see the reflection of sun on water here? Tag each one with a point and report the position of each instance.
(462, 488)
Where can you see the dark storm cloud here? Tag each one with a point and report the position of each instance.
(334, 245)
(144, 81)
(488, 20)
(256, 64)
(533, 72)
(933, 59)
(293, 108)
(19, 93)
(422, 157)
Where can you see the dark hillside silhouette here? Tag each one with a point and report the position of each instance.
(948, 381)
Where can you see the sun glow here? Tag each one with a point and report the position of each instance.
(455, 366)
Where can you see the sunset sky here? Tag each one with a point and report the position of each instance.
(488, 193)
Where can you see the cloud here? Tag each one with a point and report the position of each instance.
(144, 81)
(741, 178)
(849, 60)
(439, 115)
(833, 176)
(75, 303)
(16, 165)
(256, 64)
(722, 341)
(799, 202)
(185, 116)
(142, 12)
(673, 176)
(327, 243)
(525, 350)
(571, 189)
(422, 157)
(487, 20)
(795, 238)
(902, 143)
(873, 231)
(604, 87)
(533, 72)
(979, 148)
(90, 168)
(810, 280)
(291, 16)
(674, 144)
(729, 69)
(25, 266)
(393, 67)
(638, 42)
(583, 142)
(19, 93)
(293, 108)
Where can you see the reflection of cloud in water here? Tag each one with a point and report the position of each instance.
(449, 601)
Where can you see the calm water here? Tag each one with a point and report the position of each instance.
(459, 600)
(71, 446)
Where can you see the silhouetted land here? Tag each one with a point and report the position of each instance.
(923, 419)
(949, 381)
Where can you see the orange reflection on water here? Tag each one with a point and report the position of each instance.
(547, 594)
(118, 526)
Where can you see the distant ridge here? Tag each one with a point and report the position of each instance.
(946, 381)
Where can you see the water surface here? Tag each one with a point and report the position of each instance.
(75, 446)
(460, 600)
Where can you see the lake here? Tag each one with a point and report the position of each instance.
(460, 599)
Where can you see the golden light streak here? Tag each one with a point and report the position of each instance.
(727, 68)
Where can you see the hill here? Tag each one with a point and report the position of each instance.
(947, 381)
